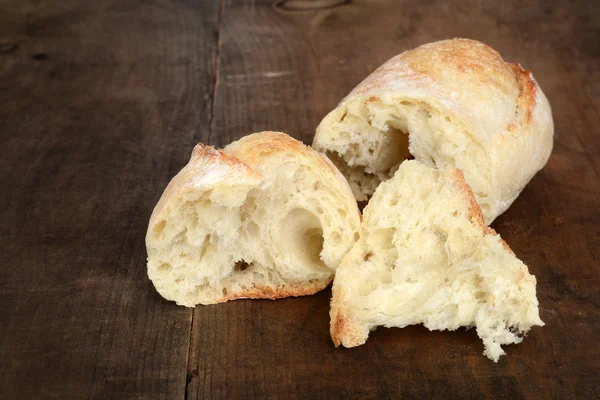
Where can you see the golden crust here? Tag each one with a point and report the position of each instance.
(453, 62)
(343, 330)
(527, 91)
(338, 323)
(475, 211)
(264, 292)
(253, 147)
(337, 328)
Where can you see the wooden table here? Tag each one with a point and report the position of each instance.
(101, 103)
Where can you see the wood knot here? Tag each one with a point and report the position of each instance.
(39, 56)
(309, 5)
(6, 48)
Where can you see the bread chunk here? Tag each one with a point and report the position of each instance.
(266, 217)
(425, 256)
(449, 103)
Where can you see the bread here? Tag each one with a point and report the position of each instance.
(449, 103)
(425, 256)
(267, 217)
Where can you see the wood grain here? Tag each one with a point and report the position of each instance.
(100, 105)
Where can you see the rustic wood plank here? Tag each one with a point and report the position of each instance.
(100, 105)
(283, 67)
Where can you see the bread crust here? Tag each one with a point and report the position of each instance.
(343, 329)
(469, 61)
(475, 211)
(250, 149)
(264, 292)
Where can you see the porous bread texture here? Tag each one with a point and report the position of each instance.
(449, 103)
(267, 217)
(426, 257)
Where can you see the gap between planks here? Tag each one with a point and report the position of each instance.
(216, 65)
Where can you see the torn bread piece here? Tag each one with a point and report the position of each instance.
(425, 256)
(449, 103)
(266, 217)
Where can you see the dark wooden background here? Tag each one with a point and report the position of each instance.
(101, 103)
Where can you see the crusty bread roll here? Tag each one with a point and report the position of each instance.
(449, 103)
(426, 256)
(267, 217)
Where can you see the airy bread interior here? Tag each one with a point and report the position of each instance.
(228, 230)
(425, 256)
(367, 139)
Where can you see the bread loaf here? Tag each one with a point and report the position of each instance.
(267, 217)
(425, 256)
(449, 103)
